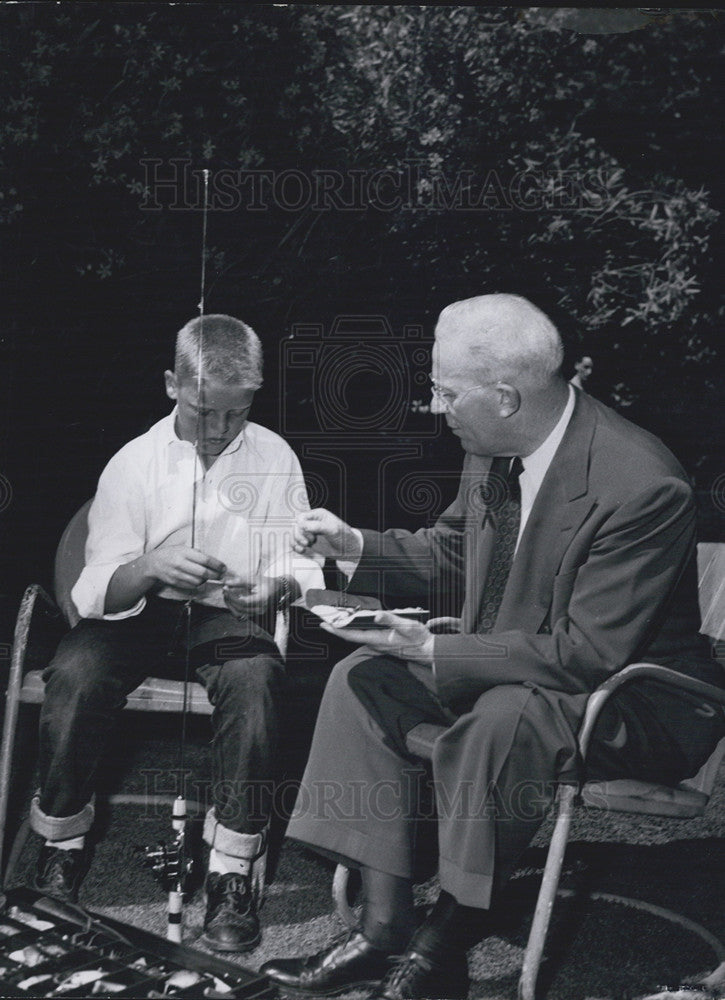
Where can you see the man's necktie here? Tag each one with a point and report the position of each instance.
(502, 495)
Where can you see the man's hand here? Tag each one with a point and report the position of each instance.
(399, 637)
(251, 596)
(183, 567)
(323, 532)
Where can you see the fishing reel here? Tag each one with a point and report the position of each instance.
(169, 863)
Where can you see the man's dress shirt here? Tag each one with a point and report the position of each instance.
(536, 465)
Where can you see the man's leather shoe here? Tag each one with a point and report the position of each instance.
(414, 975)
(231, 922)
(349, 963)
(59, 873)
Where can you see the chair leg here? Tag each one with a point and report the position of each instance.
(547, 893)
(10, 721)
(6, 755)
(18, 846)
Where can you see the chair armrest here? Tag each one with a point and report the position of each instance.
(36, 605)
(664, 675)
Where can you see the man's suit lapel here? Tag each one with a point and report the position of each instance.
(561, 505)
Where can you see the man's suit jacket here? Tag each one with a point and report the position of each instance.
(604, 574)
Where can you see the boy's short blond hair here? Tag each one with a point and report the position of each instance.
(231, 350)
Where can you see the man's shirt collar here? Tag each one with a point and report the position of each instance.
(537, 463)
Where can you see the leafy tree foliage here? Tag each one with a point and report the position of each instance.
(365, 159)
(495, 115)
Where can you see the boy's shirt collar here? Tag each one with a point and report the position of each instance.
(168, 428)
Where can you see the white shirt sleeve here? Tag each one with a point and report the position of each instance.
(116, 535)
(288, 499)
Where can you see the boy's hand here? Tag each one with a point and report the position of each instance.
(183, 567)
(323, 532)
(251, 596)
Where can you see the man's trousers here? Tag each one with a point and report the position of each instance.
(494, 771)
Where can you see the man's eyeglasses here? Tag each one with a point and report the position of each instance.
(448, 398)
(443, 396)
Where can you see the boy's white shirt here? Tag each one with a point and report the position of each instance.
(246, 507)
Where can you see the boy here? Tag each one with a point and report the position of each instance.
(204, 496)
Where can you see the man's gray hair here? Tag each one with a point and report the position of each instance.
(231, 350)
(509, 338)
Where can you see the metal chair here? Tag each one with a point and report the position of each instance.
(40, 623)
(686, 800)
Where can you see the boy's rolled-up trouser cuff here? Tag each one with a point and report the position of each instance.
(61, 827)
(248, 846)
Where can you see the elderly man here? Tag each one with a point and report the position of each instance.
(574, 534)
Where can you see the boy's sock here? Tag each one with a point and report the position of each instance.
(72, 844)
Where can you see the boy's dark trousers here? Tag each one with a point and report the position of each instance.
(99, 662)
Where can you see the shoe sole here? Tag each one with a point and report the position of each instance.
(363, 984)
(240, 948)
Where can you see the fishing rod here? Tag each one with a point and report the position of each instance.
(172, 864)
